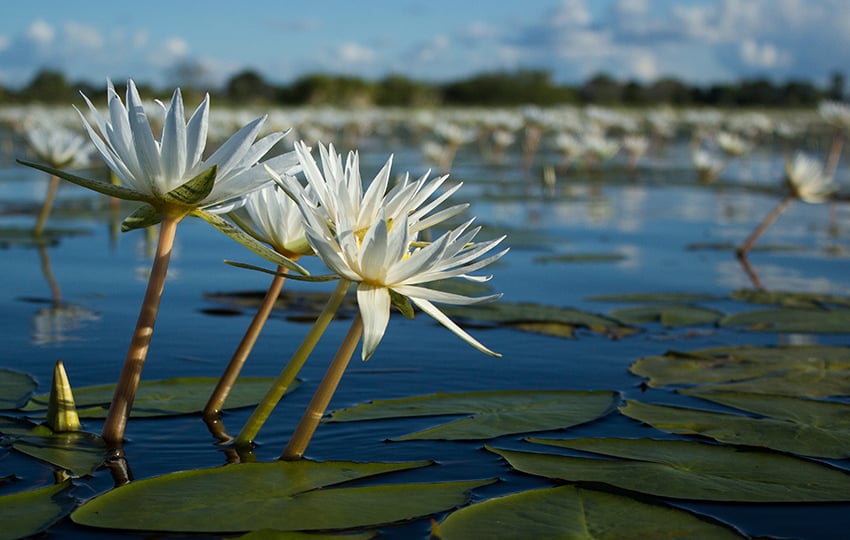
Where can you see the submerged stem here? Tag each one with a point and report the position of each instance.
(765, 223)
(219, 395)
(296, 362)
(128, 381)
(48, 204)
(321, 399)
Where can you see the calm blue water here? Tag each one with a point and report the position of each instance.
(653, 219)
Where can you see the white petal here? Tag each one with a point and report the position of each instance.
(196, 133)
(173, 149)
(441, 317)
(444, 297)
(374, 304)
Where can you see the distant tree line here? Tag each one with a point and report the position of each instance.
(521, 87)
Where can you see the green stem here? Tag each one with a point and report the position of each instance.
(765, 223)
(231, 373)
(48, 204)
(128, 381)
(322, 398)
(264, 408)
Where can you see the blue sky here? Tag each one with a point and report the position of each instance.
(700, 41)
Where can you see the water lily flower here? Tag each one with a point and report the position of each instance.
(368, 238)
(59, 147)
(174, 179)
(807, 179)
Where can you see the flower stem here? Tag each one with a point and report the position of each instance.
(296, 362)
(321, 399)
(216, 401)
(48, 204)
(128, 381)
(765, 223)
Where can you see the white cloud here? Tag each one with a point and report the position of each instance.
(79, 37)
(40, 33)
(355, 53)
(763, 55)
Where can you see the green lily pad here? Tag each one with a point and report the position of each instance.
(493, 413)
(30, 512)
(801, 370)
(271, 534)
(579, 258)
(24, 237)
(790, 299)
(166, 397)
(799, 426)
(78, 452)
(671, 316)
(12, 427)
(574, 512)
(687, 470)
(518, 314)
(799, 321)
(285, 495)
(662, 298)
(15, 388)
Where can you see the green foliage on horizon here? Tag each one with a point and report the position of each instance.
(497, 88)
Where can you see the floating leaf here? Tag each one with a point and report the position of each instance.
(494, 413)
(800, 321)
(30, 512)
(573, 512)
(167, 397)
(663, 298)
(579, 258)
(281, 495)
(798, 426)
(78, 452)
(802, 370)
(24, 237)
(271, 534)
(671, 316)
(15, 388)
(790, 299)
(14, 427)
(302, 304)
(518, 314)
(687, 470)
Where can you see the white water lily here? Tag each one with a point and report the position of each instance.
(273, 218)
(808, 180)
(153, 168)
(383, 261)
(337, 190)
(57, 145)
(368, 238)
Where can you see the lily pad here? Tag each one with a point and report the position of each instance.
(671, 316)
(271, 534)
(799, 321)
(799, 426)
(579, 258)
(286, 496)
(78, 452)
(15, 388)
(801, 370)
(30, 512)
(790, 299)
(519, 314)
(166, 397)
(687, 470)
(663, 298)
(493, 413)
(24, 237)
(574, 512)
